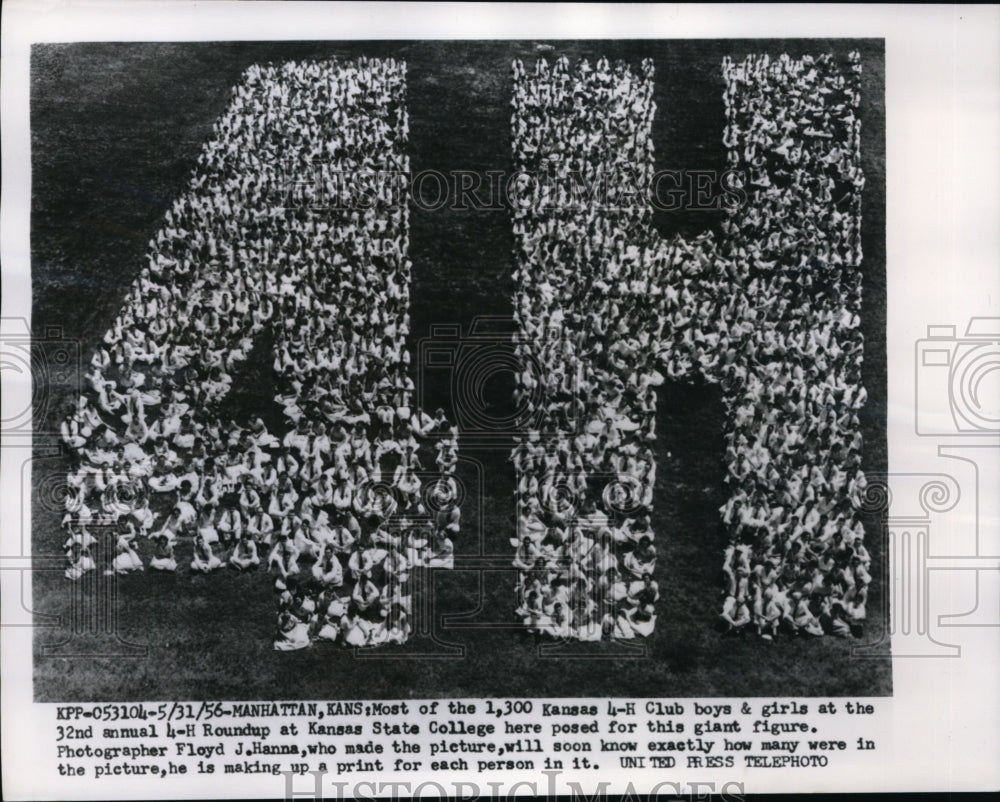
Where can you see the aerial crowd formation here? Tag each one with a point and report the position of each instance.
(357, 493)
(769, 310)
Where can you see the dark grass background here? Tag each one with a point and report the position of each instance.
(115, 132)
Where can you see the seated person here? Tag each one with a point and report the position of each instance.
(126, 559)
(526, 555)
(204, 560)
(327, 569)
(396, 626)
(357, 631)
(332, 610)
(805, 621)
(616, 624)
(244, 556)
(642, 560)
(735, 615)
(205, 526)
(396, 566)
(80, 562)
(163, 555)
(559, 626)
(292, 634)
(284, 557)
(440, 552)
(365, 595)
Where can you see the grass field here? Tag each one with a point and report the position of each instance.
(115, 131)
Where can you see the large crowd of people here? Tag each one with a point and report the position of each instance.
(585, 470)
(796, 560)
(354, 494)
(769, 310)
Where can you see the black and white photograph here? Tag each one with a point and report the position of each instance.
(379, 396)
(562, 363)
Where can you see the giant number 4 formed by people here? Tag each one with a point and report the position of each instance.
(340, 509)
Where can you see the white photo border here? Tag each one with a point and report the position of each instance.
(942, 244)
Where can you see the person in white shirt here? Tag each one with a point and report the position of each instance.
(245, 556)
(79, 562)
